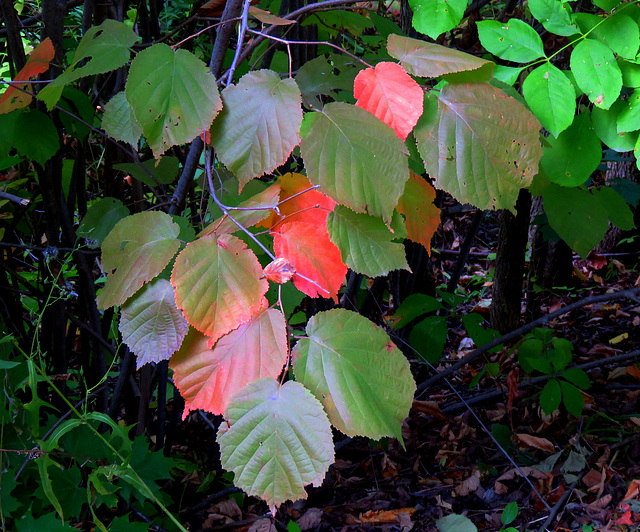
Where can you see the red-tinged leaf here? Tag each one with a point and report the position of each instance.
(391, 94)
(208, 378)
(306, 204)
(218, 285)
(37, 63)
(422, 217)
(308, 247)
(279, 271)
(268, 18)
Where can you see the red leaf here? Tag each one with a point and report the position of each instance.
(389, 93)
(37, 63)
(307, 246)
(422, 217)
(279, 271)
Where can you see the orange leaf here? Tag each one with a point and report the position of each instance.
(37, 63)
(385, 516)
(389, 93)
(422, 217)
(308, 248)
(536, 442)
(279, 271)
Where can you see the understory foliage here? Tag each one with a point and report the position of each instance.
(297, 178)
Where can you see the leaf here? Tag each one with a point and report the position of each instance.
(578, 377)
(430, 60)
(551, 97)
(208, 378)
(514, 40)
(105, 47)
(279, 271)
(151, 324)
(509, 513)
(629, 117)
(101, 218)
(34, 135)
(605, 124)
(138, 248)
(570, 159)
(554, 16)
(455, 523)
(422, 217)
(119, 121)
(324, 76)
(356, 159)
(434, 17)
(572, 398)
(164, 170)
(308, 247)
(259, 125)
(428, 338)
(218, 284)
(596, 72)
(38, 63)
(276, 440)
(173, 95)
(362, 379)
(390, 94)
(550, 397)
(617, 209)
(479, 144)
(620, 33)
(268, 18)
(414, 306)
(365, 243)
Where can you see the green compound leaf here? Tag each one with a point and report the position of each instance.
(138, 249)
(574, 155)
(107, 47)
(572, 398)
(578, 377)
(550, 396)
(629, 117)
(356, 159)
(151, 324)
(276, 440)
(429, 60)
(513, 41)
(554, 15)
(365, 243)
(354, 369)
(551, 97)
(606, 122)
(434, 17)
(173, 94)
(101, 218)
(597, 73)
(218, 284)
(620, 33)
(479, 144)
(119, 120)
(259, 125)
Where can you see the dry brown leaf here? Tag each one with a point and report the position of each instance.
(263, 525)
(529, 471)
(535, 442)
(389, 467)
(229, 507)
(429, 407)
(385, 516)
(634, 371)
(469, 485)
(311, 519)
(632, 491)
(602, 502)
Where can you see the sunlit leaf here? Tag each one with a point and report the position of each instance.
(356, 159)
(218, 284)
(138, 249)
(620, 33)
(151, 324)
(629, 117)
(554, 15)
(173, 94)
(597, 73)
(259, 125)
(434, 17)
(422, 217)
(514, 40)
(208, 377)
(479, 144)
(357, 373)
(276, 439)
(119, 120)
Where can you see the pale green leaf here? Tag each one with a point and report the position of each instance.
(259, 125)
(365, 243)
(173, 94)
(514, 40)
(276, 440)
(597, 73)
(554, 15)
(434, 17)
(455, 523)
(479, 144)
(119, 120)
(630, 72)
(352, 366)
(101, 218)
(356, 159)
(151, 324)
(629, 117)
(620, 33)
(551, 97)
(138, 249)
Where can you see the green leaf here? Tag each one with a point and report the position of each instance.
(509, 513)
(151, 324)
(362, 379)
(455, 523)
(551, 97)
(413, 307)
(479, 144)
(101, 218)
(48, 522)
(428, 337)
(164, 170)
(434, 17)
(617, 209)
(480, 335)
(430, 60)
(8, 502)
(33, 134)
(173, 95)
(606, 5)
(572, 398)
(507, 75)
(276, 439)
(577, 377)
(512, 41)
(119, 121)
(550, 397)
(597, 73)
(138, 249)
(570, 159)
(629, 117)
(107, 47)
(620, 33)
(630, 72)
(259, 124)
(605, 124)
(554, 15)
(319, 77)
(365, 243)
(356, 159)
(79, 104)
